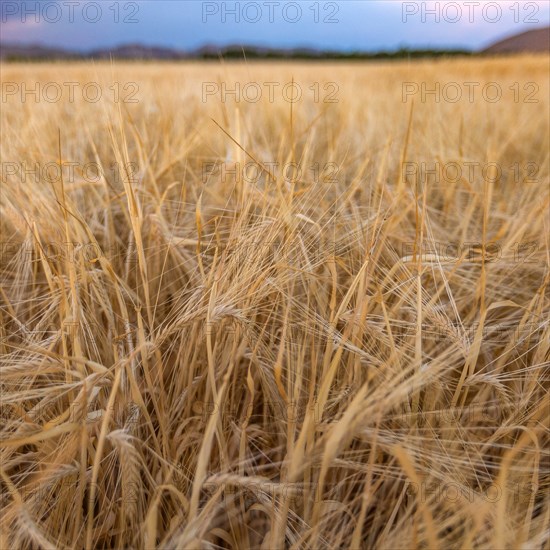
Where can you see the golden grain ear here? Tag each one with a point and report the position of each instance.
(271, 324)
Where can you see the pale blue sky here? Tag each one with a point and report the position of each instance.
(187, 24)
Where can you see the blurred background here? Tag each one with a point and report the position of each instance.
(193, 28)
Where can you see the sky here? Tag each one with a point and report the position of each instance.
(366, 25)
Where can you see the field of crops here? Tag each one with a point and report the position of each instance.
(275, 305)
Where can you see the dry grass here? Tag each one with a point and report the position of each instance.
(274, 364)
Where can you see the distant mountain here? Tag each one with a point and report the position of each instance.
(535, 41)
(128, 51)
(137, 51)
(35, 52)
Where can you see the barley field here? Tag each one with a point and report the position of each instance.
(275, 305)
